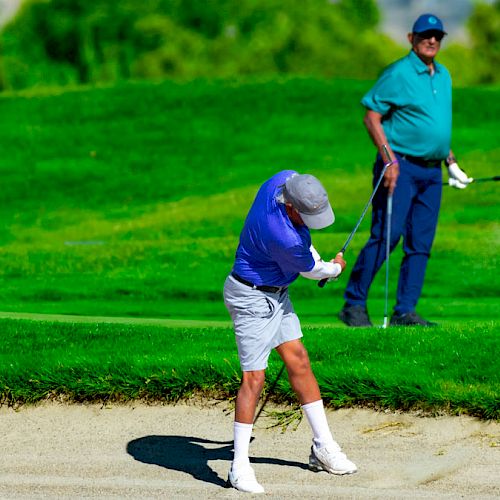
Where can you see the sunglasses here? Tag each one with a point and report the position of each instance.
(425, 35)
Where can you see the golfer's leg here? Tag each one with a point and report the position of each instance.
(256, 321)
(248, 395)
(241, 475)
(246, 401)
(304, 384)
(368, 261)
(302, 379)
(372, 256)
(420, 232)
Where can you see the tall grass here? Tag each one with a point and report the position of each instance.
(434, 370)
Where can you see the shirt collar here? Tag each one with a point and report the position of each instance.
(419, 65)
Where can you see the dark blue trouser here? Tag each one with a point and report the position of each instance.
(415, 209)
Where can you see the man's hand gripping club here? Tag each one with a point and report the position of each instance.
(339, 259)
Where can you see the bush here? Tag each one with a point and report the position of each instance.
(76, 41)
(58, 42)
(484, 26)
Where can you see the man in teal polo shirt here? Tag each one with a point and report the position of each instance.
(408, 111)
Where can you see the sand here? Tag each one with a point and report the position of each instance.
(184, 451)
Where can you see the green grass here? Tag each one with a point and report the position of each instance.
(127, 201)
(437, 369)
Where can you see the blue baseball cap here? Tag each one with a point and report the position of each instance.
(427, 22)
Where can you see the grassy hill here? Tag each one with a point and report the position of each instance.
(129, 200)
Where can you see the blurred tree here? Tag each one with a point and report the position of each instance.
(59, 42)
(162, 47)
(311, 37)
(207, 17)
(484, 27)
(363, 14)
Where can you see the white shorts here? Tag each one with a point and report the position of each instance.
(262, 322)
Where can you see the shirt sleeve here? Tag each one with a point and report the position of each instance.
(321, 268)
(385, 94)
(293, 259)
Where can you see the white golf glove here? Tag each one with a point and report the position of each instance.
(457, 177)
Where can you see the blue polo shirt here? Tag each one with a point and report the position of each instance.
(272, 251)
(416, 107)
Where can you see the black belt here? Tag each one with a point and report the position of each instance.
(421, 161)
(262, 288)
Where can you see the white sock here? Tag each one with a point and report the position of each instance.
(242, 436)
(316, 417)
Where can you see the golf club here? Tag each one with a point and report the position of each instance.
(387, 253)
(481, 179)
(324, 281)
(269, 392)
(487, 179)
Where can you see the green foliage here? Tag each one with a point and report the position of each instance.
(461, 63)
(362, 14)
(67, 42)
(57, 42)
(162, 47)
(207, 17)
(484, 26)
(477, 62)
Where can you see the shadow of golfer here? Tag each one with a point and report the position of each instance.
(191, 455)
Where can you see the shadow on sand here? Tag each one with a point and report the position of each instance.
(191, 455)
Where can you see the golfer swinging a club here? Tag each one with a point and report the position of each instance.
(274, 248)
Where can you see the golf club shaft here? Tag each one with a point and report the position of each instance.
(269, 392)
(387, 254)
(487, 179)
(481, 179)
(387, 248)
(324, 281)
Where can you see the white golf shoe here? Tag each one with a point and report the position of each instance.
(330, 459)
(243, 479)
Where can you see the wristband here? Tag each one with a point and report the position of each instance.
(392, 162)
(386, 151)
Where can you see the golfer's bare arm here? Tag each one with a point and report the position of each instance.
(373, 123)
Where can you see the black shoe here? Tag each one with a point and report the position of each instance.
(410, 319)
(354, 316)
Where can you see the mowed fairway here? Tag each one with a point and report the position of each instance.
(127, 202)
